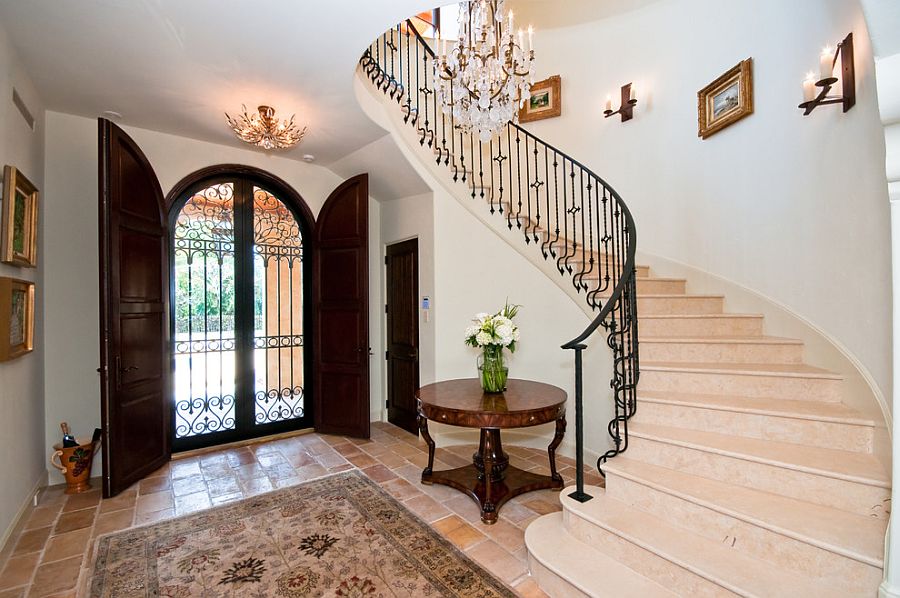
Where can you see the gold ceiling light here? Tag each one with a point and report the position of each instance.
(264, 130)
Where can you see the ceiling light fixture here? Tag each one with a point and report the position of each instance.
(265, 130)
(485, 77)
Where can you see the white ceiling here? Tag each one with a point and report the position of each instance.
(177, 65)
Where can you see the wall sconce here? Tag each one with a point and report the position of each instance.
(812, 99)
(626, 108)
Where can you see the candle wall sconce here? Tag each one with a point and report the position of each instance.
(626, 108)
(827, 63)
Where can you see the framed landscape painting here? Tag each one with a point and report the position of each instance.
(726, 100)
(16, 318)
(18, 224)
(545, 100)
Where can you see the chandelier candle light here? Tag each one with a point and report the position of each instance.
(264, 130)
(492, 334)
(486, 76)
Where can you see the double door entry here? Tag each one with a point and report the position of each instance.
(239, 314)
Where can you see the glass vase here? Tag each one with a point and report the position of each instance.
(491, 371)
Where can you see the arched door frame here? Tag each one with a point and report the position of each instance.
(199, 179)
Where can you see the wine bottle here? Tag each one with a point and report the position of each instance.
(97, 433)
(68, 439)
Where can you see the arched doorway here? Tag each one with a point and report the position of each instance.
(240, 271)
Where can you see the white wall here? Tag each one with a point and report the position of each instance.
(70, 254)
(21, 381)
(793, 207)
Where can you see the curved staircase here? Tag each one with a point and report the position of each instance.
(745, 474)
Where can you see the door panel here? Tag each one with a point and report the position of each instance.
(134, 350)
(342, 314)
(403, 333)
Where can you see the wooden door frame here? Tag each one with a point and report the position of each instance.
(203, 177)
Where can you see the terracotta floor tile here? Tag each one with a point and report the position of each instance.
(309, 472)
(154, 516)
(250, 471)
(152, 485)
(465, 536)
(113, 521)
(280, 471)
(42, 517)
(401, 489)
(362, 460)
(67, 545)
(191, 503)
(301, 459)
(183, 468)
(125, 500)
(216, 471)
(188, 485)
(227, 498)
(223, 486)
(410, 473)
(505, 534)
(240, 457)
(392, 460)
(447, 524)
(427, 508)
(69, 522)
(527, 588)
(15, 593)
(340, 468)
(271, 459)
(543, 507)
(498, 561)
(254, 486)
(77, 502)
(379, 473)
(56, 577)
(465, 507)
(18, 570)
(155, 502)
(32, 540)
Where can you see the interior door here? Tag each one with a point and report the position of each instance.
(402, 261)
(341, 299)
(134, 349)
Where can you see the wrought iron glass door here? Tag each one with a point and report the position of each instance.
(238, 313)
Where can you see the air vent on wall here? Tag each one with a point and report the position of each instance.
(23, 109)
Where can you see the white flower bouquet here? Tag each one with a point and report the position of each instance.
(492, 334)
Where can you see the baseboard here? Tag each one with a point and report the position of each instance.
(888, 590)
(21, 517)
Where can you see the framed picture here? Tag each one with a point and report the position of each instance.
(545, 100)
(16, 318)
(726, 100)
(18, 225)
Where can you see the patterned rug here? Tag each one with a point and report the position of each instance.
(337, 536)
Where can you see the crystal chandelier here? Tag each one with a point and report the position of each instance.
(486, 76)
(264, 130)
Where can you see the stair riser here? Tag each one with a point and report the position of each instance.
(778, 387)
(643, 561)
(692, 327)
(721, 352)
(679, 305)
(552, 584)
(832, 435)
(660, 287)
(753, 540)
(850, 496)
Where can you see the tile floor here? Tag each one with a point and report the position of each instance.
(54, 547)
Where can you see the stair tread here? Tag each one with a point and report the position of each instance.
(813, 410)
(846, 465)
(588, 569)
(715, 561)
(791, 370)
(724, 315)
(855, 536)
(718, 340)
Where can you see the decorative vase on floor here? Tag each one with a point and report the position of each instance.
(75, 463)
(491, 371)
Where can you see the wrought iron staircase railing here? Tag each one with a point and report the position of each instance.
(559, 205)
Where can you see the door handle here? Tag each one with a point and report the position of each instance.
(132, 368)
(366, 350)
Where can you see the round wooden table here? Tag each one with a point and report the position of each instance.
(463, 403)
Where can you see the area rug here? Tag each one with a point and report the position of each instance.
(336, 536)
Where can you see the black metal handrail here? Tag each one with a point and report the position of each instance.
(572, 215)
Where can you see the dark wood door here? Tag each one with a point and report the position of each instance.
(341, 293)
(134, 348)
(402, 262)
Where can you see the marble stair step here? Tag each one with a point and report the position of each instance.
(566, 568)
(797, 535)
(736, 349)
(781, 381)
(677, 304)
(813, 423)
(845, 480)
(707, 325)
(684, 562)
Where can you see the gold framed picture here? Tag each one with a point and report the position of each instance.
(16, 318)
(726, 100)
(18, 224)
(545, 100)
